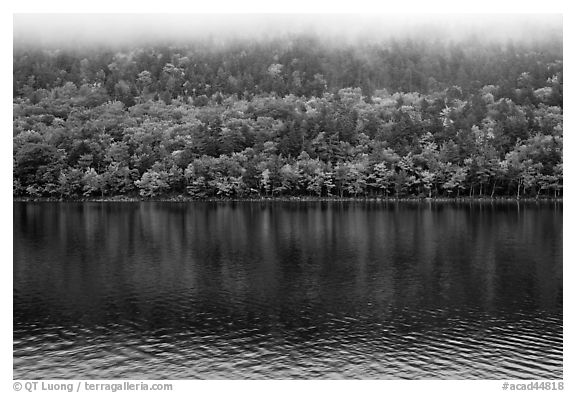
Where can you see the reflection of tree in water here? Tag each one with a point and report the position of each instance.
(308, 279)
(251, 255)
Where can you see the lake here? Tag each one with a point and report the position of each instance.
(307, 290)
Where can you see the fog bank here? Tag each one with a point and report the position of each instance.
(110, 29)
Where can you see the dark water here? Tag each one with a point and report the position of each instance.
(287, 290)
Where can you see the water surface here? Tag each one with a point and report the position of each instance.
(287, 290)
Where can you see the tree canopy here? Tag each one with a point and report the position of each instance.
(290, 116)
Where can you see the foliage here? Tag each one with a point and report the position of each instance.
(294, 118)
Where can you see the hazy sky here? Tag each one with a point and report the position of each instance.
(46, 29)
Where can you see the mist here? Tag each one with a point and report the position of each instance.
(49, 30)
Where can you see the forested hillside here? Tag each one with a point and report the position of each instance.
(290, 116)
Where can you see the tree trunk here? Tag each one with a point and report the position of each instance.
(493, 189)
(518, 190)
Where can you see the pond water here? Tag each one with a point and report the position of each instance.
(287, 290)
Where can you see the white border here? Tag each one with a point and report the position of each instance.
(294, 6)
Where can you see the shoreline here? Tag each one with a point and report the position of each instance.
(187, 199)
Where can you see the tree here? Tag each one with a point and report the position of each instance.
(153, 183)
(265, 182)
(290, 117)
(144, 82)
(356, 179)
(93, 183)
(381, 178)
(38, 165)
(290, 177)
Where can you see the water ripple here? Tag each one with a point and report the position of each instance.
(316, 292)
